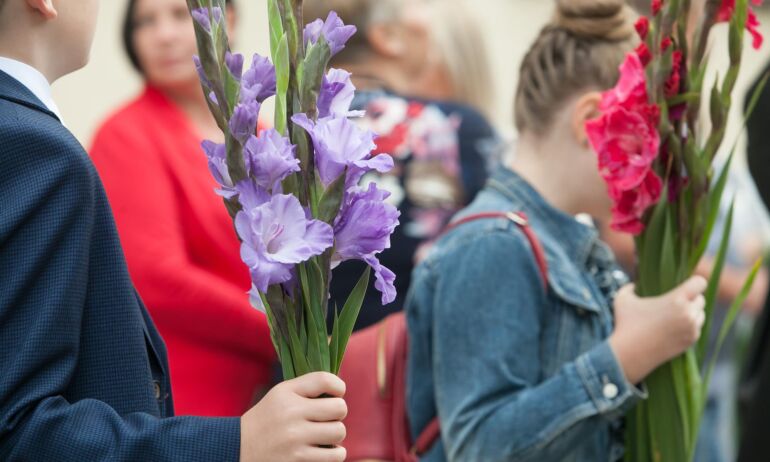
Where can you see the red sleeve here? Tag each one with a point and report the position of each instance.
(181, 296)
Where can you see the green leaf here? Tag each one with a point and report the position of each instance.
(331, 200)
(714, 201)
(349, 316)
(313, 296)
(713, 285)
(275, 26)
(282, 76)
(334, 346)
(313, 70)
(732, 314)
(301, 366)
(649, 245)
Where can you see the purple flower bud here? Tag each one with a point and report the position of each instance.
(339, 145)
(243, 123)
(201, 16)
(258, 82)
(333, 30)
(234, 63)
(217, 161)
(201, 73)
(270, 159)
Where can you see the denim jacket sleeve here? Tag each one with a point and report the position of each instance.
(492, 399)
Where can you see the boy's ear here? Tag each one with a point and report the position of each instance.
(44, 7)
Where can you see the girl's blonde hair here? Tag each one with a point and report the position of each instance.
(579, 50)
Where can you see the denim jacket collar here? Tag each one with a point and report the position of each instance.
(568, 243)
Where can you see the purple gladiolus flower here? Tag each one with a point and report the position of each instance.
(270, 159)
(251, 195)
(333, 30)
(243, 123)
(278, 235)
(234, 63)
(217, 157)
(258, 83)
(363, 229)
(201, 73)
(336, 95)
(340, 144)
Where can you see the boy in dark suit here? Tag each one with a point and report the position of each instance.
(83, 372)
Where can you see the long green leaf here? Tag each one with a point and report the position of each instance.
(334, 346)
(713, 285)
(349, 316)
(714, 201)
(732, 314)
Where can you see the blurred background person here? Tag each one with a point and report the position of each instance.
(441, 147)
(179, 242)
(755, 378)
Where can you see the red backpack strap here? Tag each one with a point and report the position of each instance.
(432, 432)
(521, 220)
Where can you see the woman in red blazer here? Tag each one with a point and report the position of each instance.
(179, 241)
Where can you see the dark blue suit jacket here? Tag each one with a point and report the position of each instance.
(83, 372)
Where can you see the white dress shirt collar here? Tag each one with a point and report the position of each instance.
(33, 79)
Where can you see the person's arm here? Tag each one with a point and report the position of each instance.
(46, 229)
(45, 236)
(149, 211)
(493, 402)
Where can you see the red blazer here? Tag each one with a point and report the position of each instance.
(183, 256)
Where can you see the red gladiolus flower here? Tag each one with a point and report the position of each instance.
(726, 11)
(644, 54)
(665, 43)
(642, 27)
(656, 6)
(627, 143)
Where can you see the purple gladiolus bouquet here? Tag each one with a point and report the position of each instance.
(293, 191)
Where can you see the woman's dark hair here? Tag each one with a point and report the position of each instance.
(128, 33)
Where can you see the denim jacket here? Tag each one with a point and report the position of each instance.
(515, 372)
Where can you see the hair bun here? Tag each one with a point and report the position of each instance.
(608, 20)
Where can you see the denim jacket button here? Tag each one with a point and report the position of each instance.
(581, 312)
(587, 294)
(610, 391)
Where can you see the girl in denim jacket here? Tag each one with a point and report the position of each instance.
(515, 372)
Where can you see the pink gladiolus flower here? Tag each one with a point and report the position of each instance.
(627, 143)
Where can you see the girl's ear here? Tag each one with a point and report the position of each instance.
(585, 109)
(44, 7)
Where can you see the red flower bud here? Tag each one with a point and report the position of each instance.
(642, 27)
(656, 6)
(644, 54)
